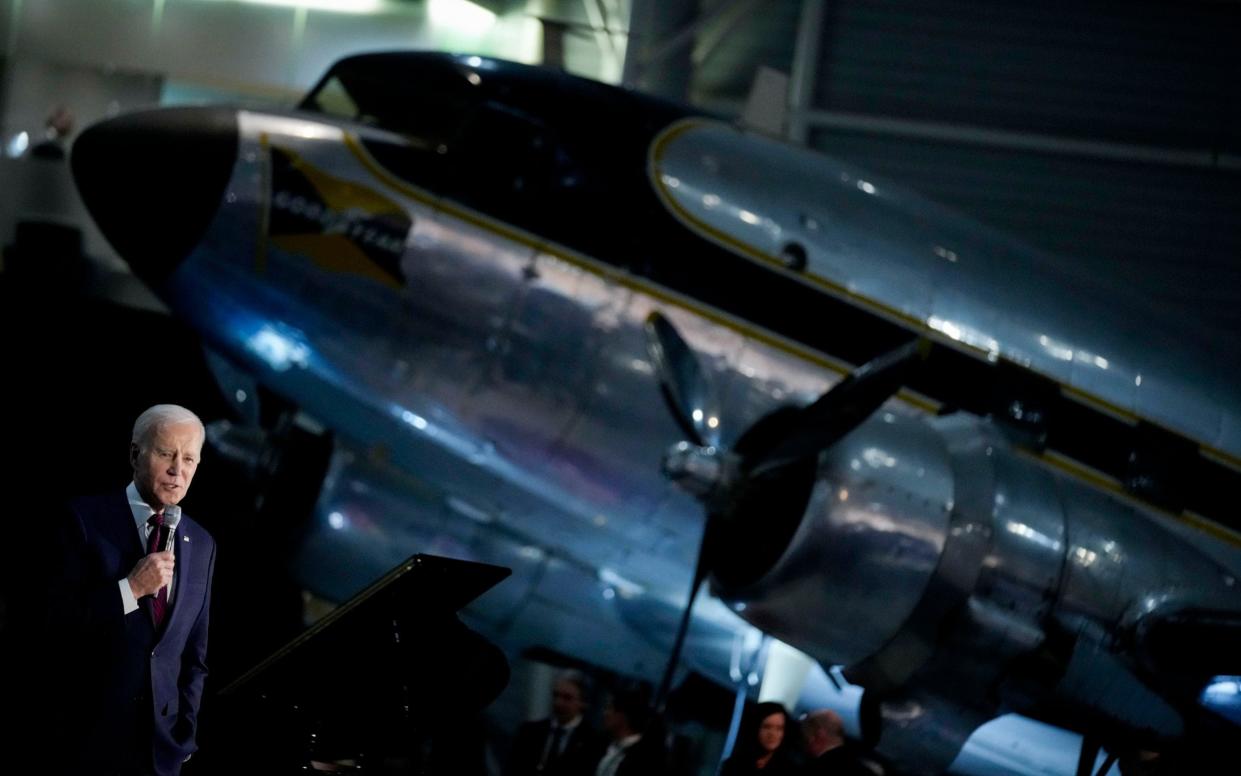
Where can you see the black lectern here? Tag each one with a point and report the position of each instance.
(391, 682)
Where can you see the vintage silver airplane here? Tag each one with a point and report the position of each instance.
(961, 469)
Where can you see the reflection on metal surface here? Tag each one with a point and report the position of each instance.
(281, 350)
(414, 419)
(1026, 532)
(1084, 556)
(624, 586)
(1055, 349)
(1223, 696)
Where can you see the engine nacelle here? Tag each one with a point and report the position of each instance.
(860, 558)
(951, 574)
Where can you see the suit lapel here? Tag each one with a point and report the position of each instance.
(122, 522)
(183, 550)
(129, 547)
(122, 531)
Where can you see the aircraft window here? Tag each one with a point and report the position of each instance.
(794, 256)
(509, 163)
(333, 99)
(428, 110)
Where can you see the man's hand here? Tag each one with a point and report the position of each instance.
(152, 572)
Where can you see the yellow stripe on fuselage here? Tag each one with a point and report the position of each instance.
(1221, 457)
(1100, 405)
(1098, 479)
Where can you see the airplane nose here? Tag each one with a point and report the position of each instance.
(154, 179)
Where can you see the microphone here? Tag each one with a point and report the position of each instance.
(172, 516)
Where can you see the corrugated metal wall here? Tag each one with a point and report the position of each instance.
(1159, 73)
(1146, 80)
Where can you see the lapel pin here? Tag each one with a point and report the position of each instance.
(185, 538)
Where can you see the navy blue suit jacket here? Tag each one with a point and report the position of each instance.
(128, 678)
(579, 755)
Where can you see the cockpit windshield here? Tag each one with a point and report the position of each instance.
(427, 107)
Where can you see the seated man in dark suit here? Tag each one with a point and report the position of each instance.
(563, 744)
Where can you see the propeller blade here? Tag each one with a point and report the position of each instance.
(701, 568)
(682, 382)
(844, 407)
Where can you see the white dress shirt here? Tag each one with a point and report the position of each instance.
(616, 752)
(568, 729)
(142, 513)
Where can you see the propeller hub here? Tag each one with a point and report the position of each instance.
(696, 469)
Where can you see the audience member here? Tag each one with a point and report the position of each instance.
(827, 750)
(563, 744)
(762, 745)
(636, 748)
(56, 131)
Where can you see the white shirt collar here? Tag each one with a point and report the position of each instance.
(627, 741)
(615, 753)
(140, 509)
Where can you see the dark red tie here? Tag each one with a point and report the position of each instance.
(155, 542)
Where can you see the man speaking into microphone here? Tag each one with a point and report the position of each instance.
(131, 608)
